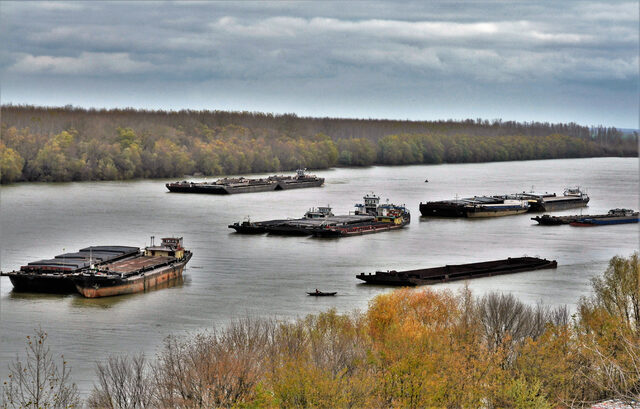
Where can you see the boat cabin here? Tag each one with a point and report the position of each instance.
(320, 213)
(169, 247)
(370, 205)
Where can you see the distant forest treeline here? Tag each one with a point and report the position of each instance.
(67, 143)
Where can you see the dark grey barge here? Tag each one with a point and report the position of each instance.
(227, 186)
(369, 217)
(537, 202)
(411, 278)
(55, 275)
(612, 215)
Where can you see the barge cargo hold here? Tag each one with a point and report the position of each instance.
(227, 186)
(156, 266)
(447, 273)
(613, 215)
(55, 275)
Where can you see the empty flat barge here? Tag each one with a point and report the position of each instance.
(447, 273)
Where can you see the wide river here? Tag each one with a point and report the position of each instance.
(232, 275)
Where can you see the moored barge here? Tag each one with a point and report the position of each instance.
(571, 198)
(447, 273)
(619, 216)
(614, 216)
(156, 266)
(504, 205)
(55, 275)
(369, 217)
(227, 186)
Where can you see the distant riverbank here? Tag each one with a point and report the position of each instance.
(67, 144)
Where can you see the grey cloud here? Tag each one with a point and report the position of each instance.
(294, 48)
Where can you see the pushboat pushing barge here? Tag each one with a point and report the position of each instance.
(369, 217)
(227, 186)
(100, 271)
(436, 275)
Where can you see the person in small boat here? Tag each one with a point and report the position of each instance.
(317, 292)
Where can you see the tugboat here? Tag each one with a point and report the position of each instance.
(146, 270)
(227, 186)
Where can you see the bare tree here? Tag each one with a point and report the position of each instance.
(218, 369)
(504, 317)
(38, 381)
(123, 383)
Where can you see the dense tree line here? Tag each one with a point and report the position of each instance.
(410, 349)
(65, 144)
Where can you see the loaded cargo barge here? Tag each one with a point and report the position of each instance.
(505, 205)
(447, 273)
(227, 186)
(369, 217)
(100, 271)
(55, 275)
(614, 216)
(156, 266)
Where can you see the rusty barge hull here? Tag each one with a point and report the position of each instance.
(144, 274)
(411, 278)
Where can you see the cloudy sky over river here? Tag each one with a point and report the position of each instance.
(544, 61)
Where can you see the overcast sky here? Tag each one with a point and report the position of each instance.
(556, 61)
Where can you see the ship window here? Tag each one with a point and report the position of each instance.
(172, 253)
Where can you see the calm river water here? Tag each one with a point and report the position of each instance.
(233, 276)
